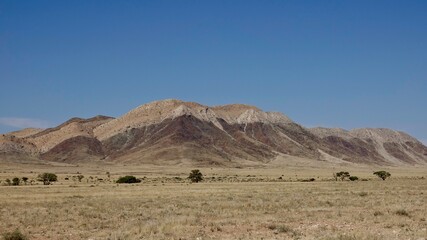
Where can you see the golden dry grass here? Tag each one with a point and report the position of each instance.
(227, 207)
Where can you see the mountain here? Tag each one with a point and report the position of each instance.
(69, 142)
(177, 132)
(387, 145)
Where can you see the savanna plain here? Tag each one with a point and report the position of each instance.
(230, 203)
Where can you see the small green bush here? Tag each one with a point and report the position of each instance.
(128, 179)
(353, 178)
(15, 235)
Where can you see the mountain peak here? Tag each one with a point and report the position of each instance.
(236, 107)
(158, 111)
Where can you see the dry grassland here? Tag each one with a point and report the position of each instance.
(230, 204)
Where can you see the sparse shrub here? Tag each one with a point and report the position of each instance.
(402, 212)
(382, 174)
(195, 176)
(25, 179)
(128, 179)
(15, 235)
(308, 180)
(80, 177)
(342, 175)
(353, 178)
(16, 181)
(47, 178)
(8, 182)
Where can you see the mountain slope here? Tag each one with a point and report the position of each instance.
(381, 145)
(177, 132)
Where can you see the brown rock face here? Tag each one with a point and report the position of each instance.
(75, 149)
(177, 132)
(367, 145)
(353, 150)
(202, 142)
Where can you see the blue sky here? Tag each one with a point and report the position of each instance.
(346, 64)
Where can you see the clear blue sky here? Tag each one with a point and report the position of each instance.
(346, 64)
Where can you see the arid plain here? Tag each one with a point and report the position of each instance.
(231, 203)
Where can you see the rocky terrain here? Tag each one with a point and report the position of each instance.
(188, 133)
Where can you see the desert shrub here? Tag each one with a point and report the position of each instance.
(15, 235)
(47, 178)
(8, 182)
(402, 212)
(25, 179)
(382, 174)
(342, 175)
(80, 177)
(353, 178)
(195, 176)
(308, 180)
(16, 181)
(128, 179)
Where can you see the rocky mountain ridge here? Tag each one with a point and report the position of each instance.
(178, 132)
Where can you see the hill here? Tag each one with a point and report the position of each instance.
(171, 132)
